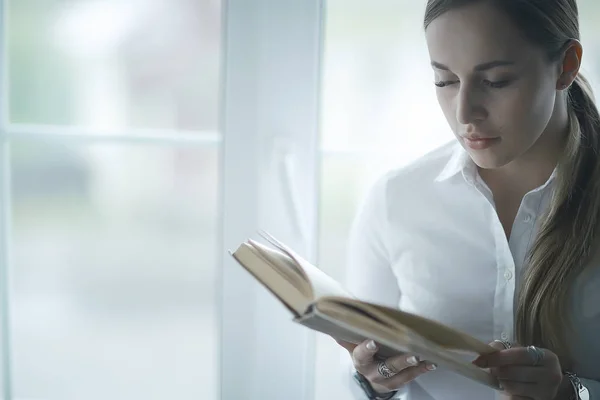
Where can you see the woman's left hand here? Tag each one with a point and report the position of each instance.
(521, 378)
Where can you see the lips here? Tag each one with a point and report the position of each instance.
(478, 137)
(477, 142)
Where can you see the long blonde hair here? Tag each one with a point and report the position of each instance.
(569, 228)
(567, 234)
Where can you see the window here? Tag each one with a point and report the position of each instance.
(143, 140)
(111, 127)
(380, 112)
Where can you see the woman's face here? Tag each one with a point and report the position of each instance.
(493, 84)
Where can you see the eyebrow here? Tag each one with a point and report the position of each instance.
(478, 68)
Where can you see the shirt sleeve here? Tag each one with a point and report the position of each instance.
(369, 275)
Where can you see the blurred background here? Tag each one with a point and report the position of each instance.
(114, 242)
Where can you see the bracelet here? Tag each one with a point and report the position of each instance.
(580, 392)
(368, 389)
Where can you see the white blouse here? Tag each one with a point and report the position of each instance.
(428, 240)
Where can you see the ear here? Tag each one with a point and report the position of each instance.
(570, 64)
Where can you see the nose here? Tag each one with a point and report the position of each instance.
(469, 107)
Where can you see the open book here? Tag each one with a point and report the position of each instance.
(320, 303)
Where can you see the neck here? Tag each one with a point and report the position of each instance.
(532, 169)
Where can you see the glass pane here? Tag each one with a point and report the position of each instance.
(114, 278)
(344, 179)
(2, 387)
(374, 99)
(110, 64)
(380, 112)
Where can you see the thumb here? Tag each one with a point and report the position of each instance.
(365, 352)
(346, 345)
(498, 345)
(504, 344)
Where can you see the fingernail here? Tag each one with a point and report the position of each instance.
(412, 360)
(431, 367)
(371, 345)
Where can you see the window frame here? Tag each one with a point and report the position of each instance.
(270, 117)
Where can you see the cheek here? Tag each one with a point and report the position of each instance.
(525, 114)
(446, 104)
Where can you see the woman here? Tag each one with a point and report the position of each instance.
(494, 234)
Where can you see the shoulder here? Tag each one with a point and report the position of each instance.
(404, 192)
(408, 185)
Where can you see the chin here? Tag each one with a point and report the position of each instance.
(488, 159)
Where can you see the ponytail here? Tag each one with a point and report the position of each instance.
(568, 233)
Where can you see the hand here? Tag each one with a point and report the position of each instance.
(520, 378)
(405, 367)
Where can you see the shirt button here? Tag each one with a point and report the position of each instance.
(528, 218)
(508, 275)
(504, 336)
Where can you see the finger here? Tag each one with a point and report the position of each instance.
(346, 345)
(404, 366)
(519, 373)
(402, 378)
(519, 389)
(513, 356)
(364, 353)
(497, 345)
(399, 363)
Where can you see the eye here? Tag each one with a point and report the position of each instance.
(496, 84)
(442, 84)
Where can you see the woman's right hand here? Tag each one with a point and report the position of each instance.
(405, 367)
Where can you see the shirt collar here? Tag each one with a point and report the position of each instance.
(461, 162)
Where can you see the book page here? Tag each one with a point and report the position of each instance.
(356, 326)
(289, 294)
(432, 331)
(283, 265)
(321, 283)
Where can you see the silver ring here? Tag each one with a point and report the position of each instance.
(537, 355)
(384, 370)
(504, 343)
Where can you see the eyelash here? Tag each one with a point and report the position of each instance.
(493, 85)
(442, 84)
